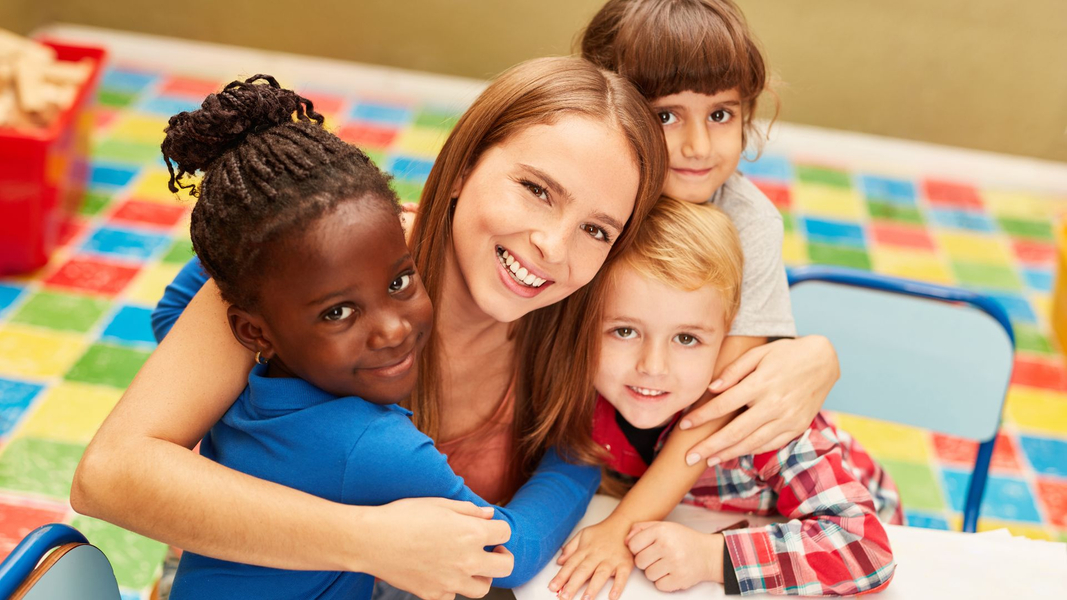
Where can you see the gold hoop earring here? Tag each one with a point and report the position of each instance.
(260, 360)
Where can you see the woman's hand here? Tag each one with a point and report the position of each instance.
(597, 553)
(675, 557)
(783, 384)
(437, 547)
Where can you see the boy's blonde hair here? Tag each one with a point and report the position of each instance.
(667, 47)
(688, 246)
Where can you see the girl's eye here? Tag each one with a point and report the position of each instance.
(536, 190)
(721, 116)
(401, 283)
(686, 340)
(624, 333)
(338, 313)
(666, 117)
(596, 232)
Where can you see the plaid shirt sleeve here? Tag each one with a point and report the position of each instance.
(833, 543)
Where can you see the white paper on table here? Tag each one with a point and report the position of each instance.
(930, 563)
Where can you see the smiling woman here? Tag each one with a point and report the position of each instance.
(556, 164)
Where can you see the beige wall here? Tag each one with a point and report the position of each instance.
(986, 74)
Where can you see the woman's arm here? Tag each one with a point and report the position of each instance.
(783, 384)
(139, 473)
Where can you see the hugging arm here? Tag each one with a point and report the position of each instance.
(139, 473)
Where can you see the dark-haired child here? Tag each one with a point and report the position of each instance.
(301, 232)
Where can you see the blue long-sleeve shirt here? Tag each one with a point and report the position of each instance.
(394, 460)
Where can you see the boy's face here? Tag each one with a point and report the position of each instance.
(659, 346)
(704, 139)
(342, 306)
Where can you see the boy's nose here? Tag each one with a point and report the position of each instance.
(653, 360)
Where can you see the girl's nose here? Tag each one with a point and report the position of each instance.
(697, 143)
(551, 242)
(390, 331)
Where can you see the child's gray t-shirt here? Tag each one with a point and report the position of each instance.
(765, 310)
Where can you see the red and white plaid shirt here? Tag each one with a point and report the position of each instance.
(834, 495)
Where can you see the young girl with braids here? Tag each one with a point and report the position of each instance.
(301, 233)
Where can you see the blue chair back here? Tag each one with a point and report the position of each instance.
(71, 568)
(911, 352)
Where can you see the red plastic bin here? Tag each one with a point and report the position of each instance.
(43, 173)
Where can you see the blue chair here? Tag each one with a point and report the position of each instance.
(71, 568)
(914, 353)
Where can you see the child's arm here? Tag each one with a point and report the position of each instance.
(139, 473)
(599, 552)
(834, 543)
(394, 460)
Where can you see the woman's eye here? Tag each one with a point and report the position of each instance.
(624, 332)
(536, 190)
(686, 340)
(401, 283)
(666, 117)
(596, 232)
(338, 313)
(721, 116)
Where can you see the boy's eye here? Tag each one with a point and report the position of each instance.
(624, 332)
(338, 313)
(686, 340)
(401, 283)
(721, 116)
(666, 117)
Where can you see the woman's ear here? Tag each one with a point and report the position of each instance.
(250, 330)
(457, 185)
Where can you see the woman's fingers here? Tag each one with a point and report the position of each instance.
(622, 575)
(637, 528)
(499, 563)
(600, 577)
(581, 574)
(656, 570)
(641, 540)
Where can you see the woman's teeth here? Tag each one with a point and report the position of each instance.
(517, 271)
(646, 391)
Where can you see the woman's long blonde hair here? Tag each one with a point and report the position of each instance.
(555, 356)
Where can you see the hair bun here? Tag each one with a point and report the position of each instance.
(196, 139)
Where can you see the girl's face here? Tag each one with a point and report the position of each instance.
(704, 140)
(537, 214)
(658, 346)
(342, 306)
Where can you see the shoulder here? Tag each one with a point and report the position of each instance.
(746, 205)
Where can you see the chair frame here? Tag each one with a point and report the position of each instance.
(907, 287)
(24, 558)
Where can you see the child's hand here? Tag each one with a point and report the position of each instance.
(675, 557)
(595, 554)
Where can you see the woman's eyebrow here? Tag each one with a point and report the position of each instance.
(554, 185)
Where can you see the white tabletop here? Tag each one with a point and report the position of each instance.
(930, 563)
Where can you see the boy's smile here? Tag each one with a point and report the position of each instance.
(659, 346)
(342, 307)
(704, 140)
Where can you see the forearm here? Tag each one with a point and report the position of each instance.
(174, 495)
(543, 512)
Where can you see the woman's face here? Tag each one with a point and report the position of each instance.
(537, 214)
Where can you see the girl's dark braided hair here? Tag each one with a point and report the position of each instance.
(264, 175)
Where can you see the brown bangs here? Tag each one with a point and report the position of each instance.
(670, 46)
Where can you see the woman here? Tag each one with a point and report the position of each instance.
(552, 167)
